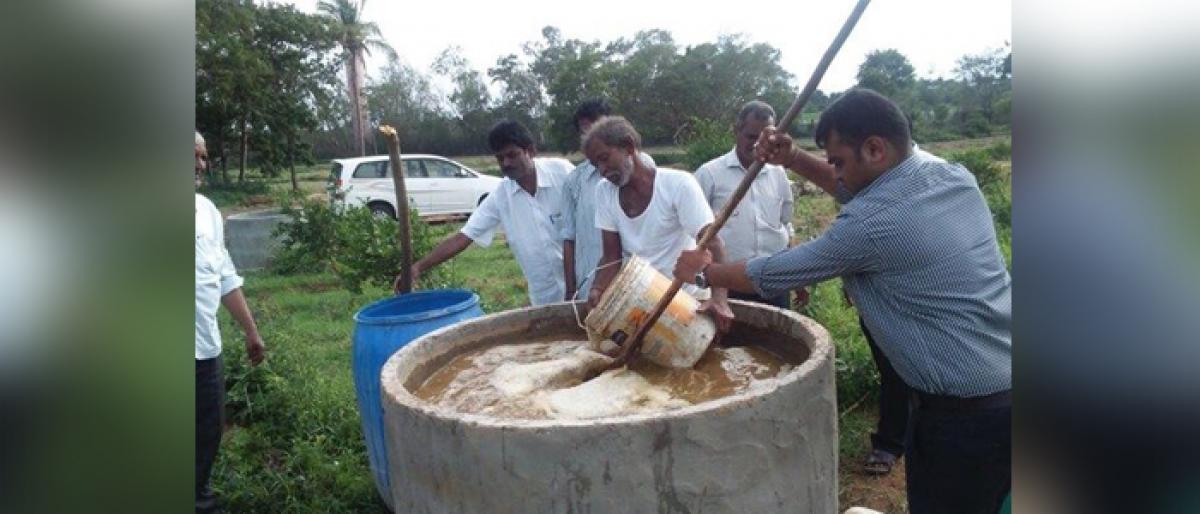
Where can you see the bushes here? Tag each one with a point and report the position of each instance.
(994, 183)
(979, 162)
(308, 240)
(232, 193)
(357, 246)
(707, 140)
(1001, 151)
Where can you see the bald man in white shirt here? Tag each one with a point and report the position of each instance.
(217, 283)
(761, 224)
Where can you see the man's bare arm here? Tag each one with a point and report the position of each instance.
(443, 252)
(235, 301)
(608, 266)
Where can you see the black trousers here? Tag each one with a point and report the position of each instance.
(959, 459)
(782, 301)
(890, 432)
(210, 409)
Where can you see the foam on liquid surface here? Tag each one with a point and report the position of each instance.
(544, 380)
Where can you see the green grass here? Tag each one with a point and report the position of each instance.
(259, 190)
(295, 443)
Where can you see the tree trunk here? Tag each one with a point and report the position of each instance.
(354, 83)
(245, 149)
(223, 147)
(292, 164)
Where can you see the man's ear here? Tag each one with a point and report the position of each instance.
(874, 149)
(532, 151)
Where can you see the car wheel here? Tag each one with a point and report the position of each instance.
(382, 210)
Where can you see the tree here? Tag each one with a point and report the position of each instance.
(404, 98)
(470, 99)
(299, 50)
(230, 77)
(357, 37)
(888, 72)
(521, 97)
(264, 73)
(986, 76)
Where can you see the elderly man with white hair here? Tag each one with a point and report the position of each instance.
(217, 283)
(648, 211)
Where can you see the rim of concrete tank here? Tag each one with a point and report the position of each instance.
(822, 351)
(399, 308)
(262, 214)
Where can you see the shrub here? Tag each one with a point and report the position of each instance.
(979, 162)
(706, 141)
(309, 240)
(359, 247)
(668, 159)
(232, 193)
(1001, 151)
(367, 251)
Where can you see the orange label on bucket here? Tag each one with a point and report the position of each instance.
(679, 308)
(678, 339)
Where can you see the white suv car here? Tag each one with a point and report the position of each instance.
(437, 186)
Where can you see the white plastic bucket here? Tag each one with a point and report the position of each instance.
(681, 335)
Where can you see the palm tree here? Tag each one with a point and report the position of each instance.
(356, 38)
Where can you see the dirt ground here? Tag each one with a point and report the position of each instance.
(884, 494)
(858, 489)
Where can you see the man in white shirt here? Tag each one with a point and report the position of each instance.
(217, 283)
(761, 224)
(527, 204)
(655, 213)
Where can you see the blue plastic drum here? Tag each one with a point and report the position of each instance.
(381, 329)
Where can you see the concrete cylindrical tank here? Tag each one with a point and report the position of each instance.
(248, 237)
(771, 449)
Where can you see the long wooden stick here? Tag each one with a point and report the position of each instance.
(404, 233)
(631, 348)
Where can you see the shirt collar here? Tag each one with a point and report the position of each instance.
(731, 160)
(544, 180)
(592, 169)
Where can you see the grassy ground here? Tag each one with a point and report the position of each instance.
(294, 442)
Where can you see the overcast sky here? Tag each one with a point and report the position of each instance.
(931, 33)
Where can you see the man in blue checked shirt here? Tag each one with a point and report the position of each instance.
(916, 249)
(580, 237)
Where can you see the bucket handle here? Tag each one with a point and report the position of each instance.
(590, 274)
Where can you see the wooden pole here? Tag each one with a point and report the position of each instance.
(404, 234)
(633, 345)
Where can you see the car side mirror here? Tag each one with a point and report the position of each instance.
(461, 173)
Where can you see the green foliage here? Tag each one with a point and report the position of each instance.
(232, 193)
(706, 140)
(309, 241)
(357, 246)
(979, 162)
(367, 251)
(264, 74)
(1001, 151)
(887, 72)
(295, 444)
(669, 159)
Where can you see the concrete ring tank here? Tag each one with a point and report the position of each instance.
(250, 239)
(770, 450)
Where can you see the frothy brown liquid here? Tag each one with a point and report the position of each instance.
(482, 381)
